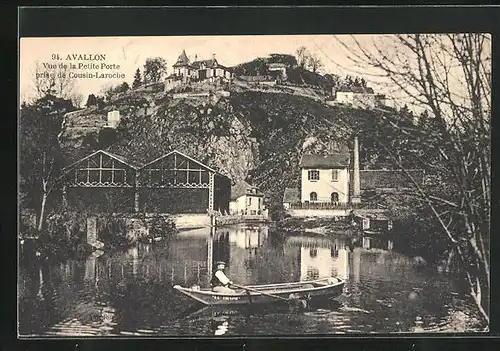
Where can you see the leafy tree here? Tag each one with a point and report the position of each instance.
(137, 79)
(40, 156)
(154, 69)
(122, 88)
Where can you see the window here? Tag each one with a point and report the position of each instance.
(82, 175)
(181, 177)
(106, 176)
(335, 175)
(313, 253)
(312, 273)
(313, 175)
(313, 196)
(155, 176)
(119, 176)
(249, 201)
(168, 177)
(205, 177)
(94, 176)
(194, 177)
(335, 197)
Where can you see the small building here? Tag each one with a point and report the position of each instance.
(280, 68)
(246, 200)
(113, 119)
(359, 97)
(325, 178)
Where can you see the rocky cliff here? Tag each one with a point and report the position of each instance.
(253, 135)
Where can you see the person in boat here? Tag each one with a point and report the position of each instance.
(220, 282)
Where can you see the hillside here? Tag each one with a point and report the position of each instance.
(254, 135)
(295, 75)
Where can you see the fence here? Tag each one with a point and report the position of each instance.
(326, 206)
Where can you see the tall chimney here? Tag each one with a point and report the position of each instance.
(356, 193)
(213, 56)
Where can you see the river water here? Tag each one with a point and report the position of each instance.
(129, 293)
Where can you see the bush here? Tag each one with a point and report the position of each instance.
(114, 233)
(160, 227)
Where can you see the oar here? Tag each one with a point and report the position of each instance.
(263, 293)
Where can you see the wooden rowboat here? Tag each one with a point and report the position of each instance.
(320, 288)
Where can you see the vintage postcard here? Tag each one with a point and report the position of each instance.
(260, 185)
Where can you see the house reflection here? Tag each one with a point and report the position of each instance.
(384, 244)
(240, 249)
(324, 259)
(249, 237)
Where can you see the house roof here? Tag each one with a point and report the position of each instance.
(211, 63)
(325, 161)
(291, 195)
(241, 188)
(184, 155)
(182, 60)
(208, 63)
(127, 161)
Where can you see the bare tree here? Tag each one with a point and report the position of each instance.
(302, 56)
(55, 81)
(449, 76)
(314, 63)
(77, 99)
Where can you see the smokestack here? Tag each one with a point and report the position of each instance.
(213, 56)
(356, 194)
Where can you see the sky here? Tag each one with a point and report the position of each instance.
(131, 52)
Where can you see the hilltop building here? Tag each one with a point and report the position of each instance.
(280, 68)
(363, 97)
(185, 70)
(113, 119)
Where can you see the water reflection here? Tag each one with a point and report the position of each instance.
(129, 292)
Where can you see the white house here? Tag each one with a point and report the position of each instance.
(359, 97)
(246, 200)
(199, 69)
(325, 178)
(113, 118)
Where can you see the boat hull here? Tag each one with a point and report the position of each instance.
(293, 291)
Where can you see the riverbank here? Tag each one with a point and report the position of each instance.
(322, 226)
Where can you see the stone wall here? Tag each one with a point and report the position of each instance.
(190, 221)
(318, 213)
(228, 220)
